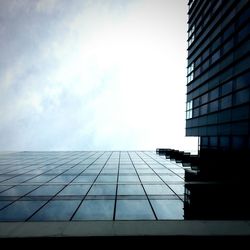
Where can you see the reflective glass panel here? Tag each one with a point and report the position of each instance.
(18, 191)
(102, 190)
(85, 179)
(178, 189)
(130, 190)
(150, 178)
(170, 178)
(75, 190)
(47, 190)
(95, 210)
(20, 210)
(56, 211)
(168, 209)
(158, 190)
(63, 179)
(42, 178)
(106, 178)
(128, 179)
(4, 203)
(133, 210)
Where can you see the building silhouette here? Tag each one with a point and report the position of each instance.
(218, 109)
(218, 86)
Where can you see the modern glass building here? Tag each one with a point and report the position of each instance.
(218, 85)
(141, 193)
(97, 193)
(218, 109)
(77, 186)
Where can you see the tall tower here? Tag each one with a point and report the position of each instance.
(218, 86)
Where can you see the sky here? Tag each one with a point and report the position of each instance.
(93, 75)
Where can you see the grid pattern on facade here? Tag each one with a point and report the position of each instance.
(218, 68)
(90, 185)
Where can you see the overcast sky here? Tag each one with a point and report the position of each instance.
(93, 75)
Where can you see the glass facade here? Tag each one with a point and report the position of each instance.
(218, 109)
(94, 185)
(218, 69)
(218, 88)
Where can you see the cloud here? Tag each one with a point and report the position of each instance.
(93, 75)
(46, 5)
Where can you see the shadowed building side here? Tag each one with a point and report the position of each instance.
(218, 109)
(218, 86)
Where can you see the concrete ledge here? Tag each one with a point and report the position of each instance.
(123, 228)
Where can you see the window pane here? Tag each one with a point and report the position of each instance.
(75, 190)
(85, 179)
(20, 210)
(106, 178)
(133, 210)
(48, 190)
(168, 209)
(196, 102)
(128, 179)
(163, 171)
(171, 178)
(102, 190)
(42, 178)
(150, 178)
(4, 203)
(130, 190)
(196, 112)
(204, 99)
(214, 106)
(95, 210)
(203, 109)
(63, 179)
(158, 190)
(178, 189)
(242, 96)
(145, 171)
(214, 94)
(215, 56)
(127, 171)
(226, 88)
(226, 102)
(18, 191)
(56, 210)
